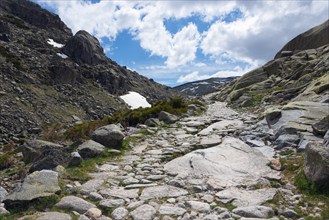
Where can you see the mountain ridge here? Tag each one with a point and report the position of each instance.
(41, 85)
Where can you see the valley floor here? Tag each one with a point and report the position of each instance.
(197, 168)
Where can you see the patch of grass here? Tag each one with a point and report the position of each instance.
(127, 118)
(228, 205)
(10, 57)
(312, 193)
(258, 95)
(14, 20)
(6, 160)
(81, 173)
(53, 132)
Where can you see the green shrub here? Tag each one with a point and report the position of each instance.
(6, 160)
(129, 117)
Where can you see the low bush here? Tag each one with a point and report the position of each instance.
(177, 106)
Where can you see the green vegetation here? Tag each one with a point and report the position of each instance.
(87, 166)
(258, 95)
(11, 57)
(133, 117)
(6, 160)
(14, 20)
(312, 194)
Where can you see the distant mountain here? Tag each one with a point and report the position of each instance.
(203, 87)
(49, 76)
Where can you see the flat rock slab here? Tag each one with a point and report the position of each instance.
(231, 162)
(221, 125)
(54, 216)
(171, 210)
(74, 203)
(38, 184)
(243, 198)
(91, 186)
(143, 212)
(162, 191)
(120, 193)
(210, 141)
(254, 211)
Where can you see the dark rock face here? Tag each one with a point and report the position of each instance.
(33, 149)
(313, 38)
(49, 160)
(321, 127)
(35, 15)
(40, 86)
(84, 48)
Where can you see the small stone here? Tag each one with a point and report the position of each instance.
(134, 205)
(289, 213)
(90, 149)
(171, 210)
(3, 193)
(199, 206)
(93, 213)
(208, 198)
(111, 203)
(74, 203)
(95, 196)
(54, 216)
(143, 212)
(211, 217)
(254, 211)
(171, 200)
(119, 213)
(75, 159)
(3, 211)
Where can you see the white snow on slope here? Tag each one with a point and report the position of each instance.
(135, 100)
(62, 55)
(54, 44)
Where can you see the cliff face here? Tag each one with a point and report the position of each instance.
(299, 72)
(313, 38)
(47, 75)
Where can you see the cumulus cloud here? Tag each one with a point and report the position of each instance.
(195, 76)
(253, 38)
(264, 28)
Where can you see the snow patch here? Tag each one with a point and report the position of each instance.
(54, 44)
(135, 100)
(62, 55)
(200, 83)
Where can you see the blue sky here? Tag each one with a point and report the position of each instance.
(175, 42)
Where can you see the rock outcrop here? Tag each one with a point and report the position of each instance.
(47, 75)
(301, 76)
(313, 38)
(316, 166)
(36, 185)
(84, 48)
(109, 136)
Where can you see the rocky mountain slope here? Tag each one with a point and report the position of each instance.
(217, 163)
(301, 73)
(203, 87)
(48, 75)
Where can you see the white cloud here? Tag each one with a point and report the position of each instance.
(253, 39)
(195, 76)
(264, 29)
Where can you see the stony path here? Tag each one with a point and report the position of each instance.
(194, 169)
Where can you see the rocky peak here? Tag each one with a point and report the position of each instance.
(36, 16)
(84, 48)
(313, 38)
